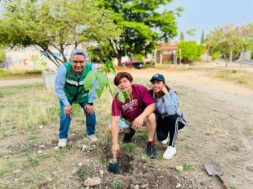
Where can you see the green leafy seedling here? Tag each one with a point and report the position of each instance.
(117, 184)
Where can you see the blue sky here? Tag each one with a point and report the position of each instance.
(207, 14)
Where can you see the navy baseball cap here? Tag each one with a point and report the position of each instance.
(158, 76)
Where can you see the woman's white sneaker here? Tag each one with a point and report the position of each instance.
(62, 142)
(165, 141)
(169, 152)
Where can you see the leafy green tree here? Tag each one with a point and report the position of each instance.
(202, 37)
(100, 51)
(141, 23)
(2, 55)
(215, 55)
(230, 41)
(190, 51)
(182, 36)
(54, 25)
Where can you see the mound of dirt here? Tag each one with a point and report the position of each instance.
(138, 173)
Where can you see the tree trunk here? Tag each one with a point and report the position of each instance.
(119, 60)
(242, 59)
(231, 56)
(226, 63)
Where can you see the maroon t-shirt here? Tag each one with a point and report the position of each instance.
(132, 109)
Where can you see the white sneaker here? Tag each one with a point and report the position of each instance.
(169, 152)
(62, 142)
(93, 138)
(165, 141)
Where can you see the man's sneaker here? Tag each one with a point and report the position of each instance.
(169, 152)
(128, 136)
(151, 152)
(165, 141)
(62, 142)
(93, 138)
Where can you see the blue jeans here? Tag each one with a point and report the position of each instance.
(66, 119)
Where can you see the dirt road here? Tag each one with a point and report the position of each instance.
(4, 83)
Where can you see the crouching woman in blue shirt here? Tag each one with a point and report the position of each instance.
(169, 119)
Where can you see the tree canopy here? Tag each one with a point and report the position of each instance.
(54, 25)
(141, 25)
(190, 50)
(230, 40)
(181, 36)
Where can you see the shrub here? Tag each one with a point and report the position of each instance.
(190, 50)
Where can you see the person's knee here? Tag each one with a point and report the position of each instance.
(65, 117)
(151, 118)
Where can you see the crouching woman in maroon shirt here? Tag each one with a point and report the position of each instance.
(131, 115)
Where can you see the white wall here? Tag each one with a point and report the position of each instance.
(31, 58)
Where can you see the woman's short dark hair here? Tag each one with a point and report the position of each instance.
(120, 75)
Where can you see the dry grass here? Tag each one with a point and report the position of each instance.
(25, 107)
(240, 77)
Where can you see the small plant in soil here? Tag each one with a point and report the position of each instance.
(235, 148)
(32, 137)
(235, 162)
(178, 172)
(1, 172)
(117, 184)
(188, 167)
(128, 147)
(17, 176)
(83, 174)
(34, 160)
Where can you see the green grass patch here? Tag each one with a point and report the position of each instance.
(235, 162)
(19, 89)
(32, 137)
(1, 172)
(188, 167)
(83, 174)
(236, 76)
(117, 184)
(178, 172)
(16, 176)
(242, 82)
(235, 148)
(249, 130)
(128, 147)
(34, 160)
(4, 74)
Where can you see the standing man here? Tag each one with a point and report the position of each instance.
(134, 113)
(69, 88)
